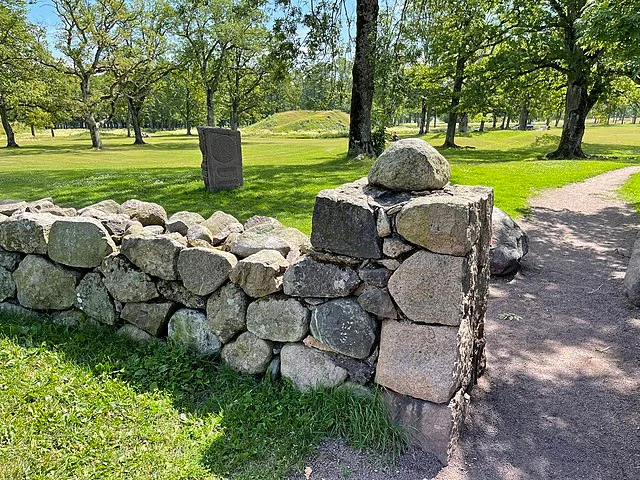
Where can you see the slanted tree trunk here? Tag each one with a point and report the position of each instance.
(360, 140)
(135, 106)
(524, 116)
(456, 93)
(504, 120)
(428, 120)
(8, 130)
(423, 118)
(94, 131)
(508, 122)
(435, 119)
(33, 130)
(634, 119)
(53, 133)
(211, 118)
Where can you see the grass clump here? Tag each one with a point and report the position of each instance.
(86, 403)
(631, 191)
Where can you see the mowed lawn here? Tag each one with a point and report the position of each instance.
(283, 175)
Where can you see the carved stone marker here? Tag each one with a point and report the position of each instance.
(221, 158)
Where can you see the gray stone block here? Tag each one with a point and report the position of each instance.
(221, 158)
(27, 233)
(248, 354)
(93, 299)
(278, 318)
(125, 282)
(80, 242)
(190, 328)
(150, 317)
(260, 274)
(204, 270)
(155, 255)
(308, 369)
(44, 285)
(310, 278)
(227, 312)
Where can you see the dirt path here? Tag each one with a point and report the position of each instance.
(561, 397)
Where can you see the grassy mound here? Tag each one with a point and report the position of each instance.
(302, 123)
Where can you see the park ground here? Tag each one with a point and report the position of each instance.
(86, 404)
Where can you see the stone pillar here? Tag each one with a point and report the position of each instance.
(221, 158)
(432, 240)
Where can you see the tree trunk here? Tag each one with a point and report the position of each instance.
(557, 120)
(508, 122)
(360, 140)
(94, 131)
(426, 128)
(188, 111)
(578, 104)
(234, 117)
(504, 120)
(481, 129)
(423, 117)
(547, 122)
(463, 123)
(53, 133)
(634, 118)
(524, 116)
(435, 119)
(33, 130)
(134, 111)
(211, 118)
(458, 80)
(624, 114)
(11, 136)
(495, 120)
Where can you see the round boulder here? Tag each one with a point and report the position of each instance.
(44, 285)
(190, 327)
(248, 354)
(408, 165)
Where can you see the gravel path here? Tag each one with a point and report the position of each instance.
(561, 396)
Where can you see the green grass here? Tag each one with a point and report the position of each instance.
(85, 403)
(631, 191)
(302, 124)
(283, 175)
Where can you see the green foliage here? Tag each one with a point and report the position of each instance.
(86, 403)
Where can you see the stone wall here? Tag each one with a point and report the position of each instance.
(391, 289)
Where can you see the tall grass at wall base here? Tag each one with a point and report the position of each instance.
(83, 402)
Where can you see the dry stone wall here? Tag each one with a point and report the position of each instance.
(391, 289)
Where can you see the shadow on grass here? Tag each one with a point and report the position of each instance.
(260, 429)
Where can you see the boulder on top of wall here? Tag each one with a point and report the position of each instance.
(125, 282)
(9, 260)
(46, 205)
(227, 311)
(345, 223)
(632, 277)
(278, 318)
(181, 221)
(509, 243)
(221, 225)
(8, 207)
(44, 285)
(310, 278)
(260, 274)
(155, 255)
(267, 236)
(27, 232)
(345, 327)
(150, 317)
(80, 242)
(248, 354)
(198, 233)
(146, 213)
(115, 223)
(93, 298)
(204, 270)
(410, 165)
(154, 229)
(260, 219)
(7, 285)
(190, 327)
(176, 292)
(308, 368)
(106, 206)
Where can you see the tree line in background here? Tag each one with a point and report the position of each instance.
(164, 64)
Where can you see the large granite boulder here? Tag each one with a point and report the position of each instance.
(221, 225)
(199, 233)
(125, 282)
(106, 206)
(115, 223)
(180, 222)
(248, 354)
(144, 212)
(423, 361)
(345, 327)
(260, 274)
(310, 278)
(176, 292)
(155, 255)
(80, 242)
(27, 232)
(7, 285)
(227, 311)
(632, 277)
(93, 299)
(345, 223)
(308, 368)
(509, 243)
(204, 270)
(190, 327)
(44, 285)
(410, 165)
(9, 207)
(432, 288)
(278, 318)
(150, 317)
(265, 236)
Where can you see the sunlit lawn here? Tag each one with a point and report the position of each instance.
(283, 175)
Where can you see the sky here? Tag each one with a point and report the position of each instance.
(42, 13)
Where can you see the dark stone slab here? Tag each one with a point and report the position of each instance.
(221, 158)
